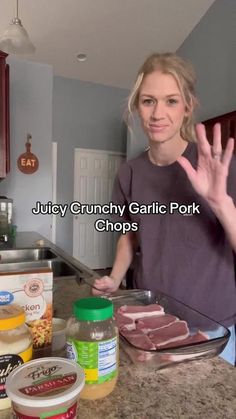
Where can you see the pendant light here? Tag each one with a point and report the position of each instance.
(15, 39)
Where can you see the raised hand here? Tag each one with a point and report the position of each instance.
(210, 177)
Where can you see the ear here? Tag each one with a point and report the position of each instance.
(188, 110)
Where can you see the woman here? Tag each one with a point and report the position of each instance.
(187, 250)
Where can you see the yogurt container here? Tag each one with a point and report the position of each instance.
(45, 388)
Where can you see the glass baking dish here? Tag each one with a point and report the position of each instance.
(160, 358)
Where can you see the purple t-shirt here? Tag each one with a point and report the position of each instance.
(185, 256)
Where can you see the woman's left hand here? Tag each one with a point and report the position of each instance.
(210, 177)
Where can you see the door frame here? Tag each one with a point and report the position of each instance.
(77, 152)
(54, 190)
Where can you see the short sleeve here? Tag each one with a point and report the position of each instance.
(122, 191)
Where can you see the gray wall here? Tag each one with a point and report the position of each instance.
(85, 115)
(211, 47)
(30, 111)
(137, 140)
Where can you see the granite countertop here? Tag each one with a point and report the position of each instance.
(195, 390)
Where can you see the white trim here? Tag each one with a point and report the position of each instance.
(84, 238)
(54, 189)
(89, 150)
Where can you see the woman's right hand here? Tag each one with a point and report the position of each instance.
(105, 285)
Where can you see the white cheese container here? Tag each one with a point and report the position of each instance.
(46, 387)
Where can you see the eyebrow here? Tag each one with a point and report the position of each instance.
(171, 95)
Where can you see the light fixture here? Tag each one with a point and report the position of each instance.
(81, 57)
(15, 39)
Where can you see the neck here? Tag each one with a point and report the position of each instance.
(164, 154)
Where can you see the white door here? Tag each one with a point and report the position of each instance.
(54, 190)
(94, 174)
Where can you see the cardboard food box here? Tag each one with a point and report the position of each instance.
(33, 291)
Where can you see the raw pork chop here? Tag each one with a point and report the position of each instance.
(147, 324)
(123, 322)
(138, 339)
(136, 312)
(169, 334)
(197, 338)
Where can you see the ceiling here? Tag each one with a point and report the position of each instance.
(116, 35)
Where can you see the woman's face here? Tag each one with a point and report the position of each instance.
(161, 107)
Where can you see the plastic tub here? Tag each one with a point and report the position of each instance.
(46, 387)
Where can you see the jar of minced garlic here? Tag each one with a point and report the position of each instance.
(15, 345)
(92, 341)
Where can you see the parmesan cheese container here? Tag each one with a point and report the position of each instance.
(15, 345)
(46, 388)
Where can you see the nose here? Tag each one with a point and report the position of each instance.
(158, 111)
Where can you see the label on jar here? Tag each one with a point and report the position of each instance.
(62, 413)
(8, 363)
(99, 359)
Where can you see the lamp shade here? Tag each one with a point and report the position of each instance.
(15, 39)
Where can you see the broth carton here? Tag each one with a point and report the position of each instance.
(33, 291)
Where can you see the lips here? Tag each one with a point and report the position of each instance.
(157, 128)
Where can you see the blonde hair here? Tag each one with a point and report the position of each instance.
(183, 72)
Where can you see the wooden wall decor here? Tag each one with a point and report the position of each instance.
(27, 162)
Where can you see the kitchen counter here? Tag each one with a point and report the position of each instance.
(195, 390)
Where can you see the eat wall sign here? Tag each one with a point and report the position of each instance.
(27, 162)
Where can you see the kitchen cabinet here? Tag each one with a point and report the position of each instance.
(228, 127)
(4, 117)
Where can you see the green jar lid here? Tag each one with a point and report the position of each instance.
(93, 309)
